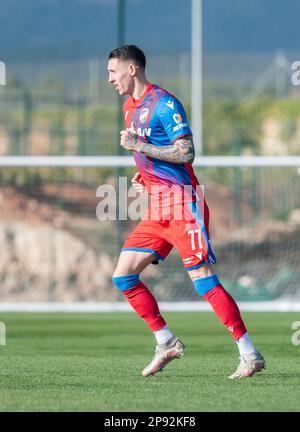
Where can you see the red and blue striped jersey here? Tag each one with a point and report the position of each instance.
(158, 118)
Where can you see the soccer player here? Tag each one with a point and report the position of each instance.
(158, 134)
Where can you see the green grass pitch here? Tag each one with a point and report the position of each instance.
(93, 362)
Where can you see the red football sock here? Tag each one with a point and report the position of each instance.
(227, 310)
(145, 305)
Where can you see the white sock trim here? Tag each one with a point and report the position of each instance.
(245, 345)
(163, 335)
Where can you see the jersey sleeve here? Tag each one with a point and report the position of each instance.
(173, 119)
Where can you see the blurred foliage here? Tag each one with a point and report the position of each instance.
(21, 177)
(62, 124)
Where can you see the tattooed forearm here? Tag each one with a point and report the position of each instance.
(182, 151)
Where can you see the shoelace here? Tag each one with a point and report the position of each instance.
(244, 364)
(240, 365)
(158, 350)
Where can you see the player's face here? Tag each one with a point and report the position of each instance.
(120, 75)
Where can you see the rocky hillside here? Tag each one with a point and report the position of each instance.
(51, 252)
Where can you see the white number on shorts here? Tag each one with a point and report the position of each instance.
(192, 234)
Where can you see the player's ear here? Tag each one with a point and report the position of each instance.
(132, 69)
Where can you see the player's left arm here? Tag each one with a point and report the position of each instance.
(180, 152)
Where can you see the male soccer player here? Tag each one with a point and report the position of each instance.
(158, 134)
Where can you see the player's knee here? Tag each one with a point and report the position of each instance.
(201, 272)
(205, 284)
(121, 270)
(116, 273)
(124, 283)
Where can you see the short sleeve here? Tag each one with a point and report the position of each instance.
(172, 117)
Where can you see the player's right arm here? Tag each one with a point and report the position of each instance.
(172, 118)
(180, 152)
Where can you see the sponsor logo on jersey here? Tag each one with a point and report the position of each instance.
(140, 131)
(143, 131)
(170, 104)
(180, 126)
(177, 118)
(143, 115)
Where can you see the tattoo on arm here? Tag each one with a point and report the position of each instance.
(182, 151)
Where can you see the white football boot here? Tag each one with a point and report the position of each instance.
(249, 365)
(164, 354)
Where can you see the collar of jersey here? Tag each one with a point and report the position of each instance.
(138, 102)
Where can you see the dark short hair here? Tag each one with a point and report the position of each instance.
(129, 52)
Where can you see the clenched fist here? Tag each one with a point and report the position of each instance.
(129, 140)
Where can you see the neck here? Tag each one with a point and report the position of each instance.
(139, 88)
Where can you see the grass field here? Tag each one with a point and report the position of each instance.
(93, 362)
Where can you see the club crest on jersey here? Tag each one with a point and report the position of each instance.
(143, 115)
(177, 118)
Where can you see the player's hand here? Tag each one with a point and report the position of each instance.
(129, 141)
(138, 183)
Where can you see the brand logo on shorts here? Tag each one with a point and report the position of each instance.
(143, 115)
(188, 260)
